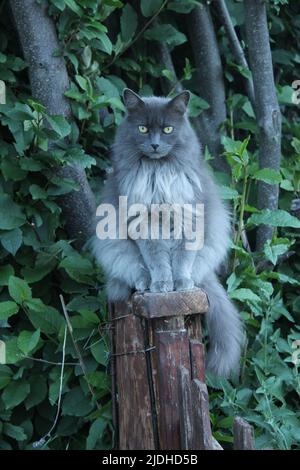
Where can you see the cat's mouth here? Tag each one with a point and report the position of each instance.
(155, 155)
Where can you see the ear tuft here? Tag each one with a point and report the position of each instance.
(180, 102)
(131, 99)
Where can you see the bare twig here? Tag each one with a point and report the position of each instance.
(82, 365)
(139, 34)
(42, 441)
(236, 47)
(50, 362)
(164, 57)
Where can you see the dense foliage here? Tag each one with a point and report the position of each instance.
(55, 384)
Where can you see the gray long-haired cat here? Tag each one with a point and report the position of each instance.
(157, 159)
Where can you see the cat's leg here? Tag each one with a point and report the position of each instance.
(156, 255)
(182, 266)
(123, 265)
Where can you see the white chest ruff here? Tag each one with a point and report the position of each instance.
(159, 186)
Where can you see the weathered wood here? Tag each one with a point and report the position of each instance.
(243, 435)
(112, 369)
(216, 445)
(134, 404)
(193, 325)
(172, 351)
(155, 409)
(202, 435)
(197, 360)
(185, 412)
(150, 305)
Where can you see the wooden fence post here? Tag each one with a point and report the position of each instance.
(160, 399)
(243, 435)
(151, 338)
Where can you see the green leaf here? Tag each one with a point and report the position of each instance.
(99, 380)
(5, 376)
(182, 6)
(11, 169)
(128, 23)
(12, 240)
(11, 215)
(38, 391)
(95, 433)
(165, 33)
(273, 251)
(229, 193)
(39, 271)
(19, 289)
(285, 94)
(44, 317)
(15, 432)
(7, 309)
(78, 268)
(74, 7)
(28, 340)
(231, 145)
(275, 218)
(149, 7)
(60, 125)
(76, 403)
(268, 176)
(6, 272)
(197, 105)
(37, 192)
(15, 393)
(105, 42)
(13, 353)
(100, 352)
(244, 294)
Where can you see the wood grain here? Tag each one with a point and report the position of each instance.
(243, 435)
(152, 305)
(172, 350)
(134, 405)
(202, 435)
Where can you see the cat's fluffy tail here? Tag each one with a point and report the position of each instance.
(225, 331)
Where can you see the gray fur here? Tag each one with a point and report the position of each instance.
(174, 173)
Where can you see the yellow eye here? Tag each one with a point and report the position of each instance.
(143, 129)
(168, 129)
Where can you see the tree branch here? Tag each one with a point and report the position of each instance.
(210, 80)
(236, 47)
(267, 107)
(49, 81)
(164, 57)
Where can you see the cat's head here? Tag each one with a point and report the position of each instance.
(153, 123)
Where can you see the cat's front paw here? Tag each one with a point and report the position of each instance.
(142, 285)
(184, 284)
(162, 286)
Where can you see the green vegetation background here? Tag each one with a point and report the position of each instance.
(40, 407)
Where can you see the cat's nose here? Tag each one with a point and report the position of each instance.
(155, 146)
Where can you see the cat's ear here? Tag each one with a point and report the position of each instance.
(132, 100)
(180, 103)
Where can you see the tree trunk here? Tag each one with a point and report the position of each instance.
(49, 81)
(267, 107)
(210, 81)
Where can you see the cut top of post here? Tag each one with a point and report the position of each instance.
(169, 304)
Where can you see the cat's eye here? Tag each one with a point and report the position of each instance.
(143, 129)
(168, 129)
